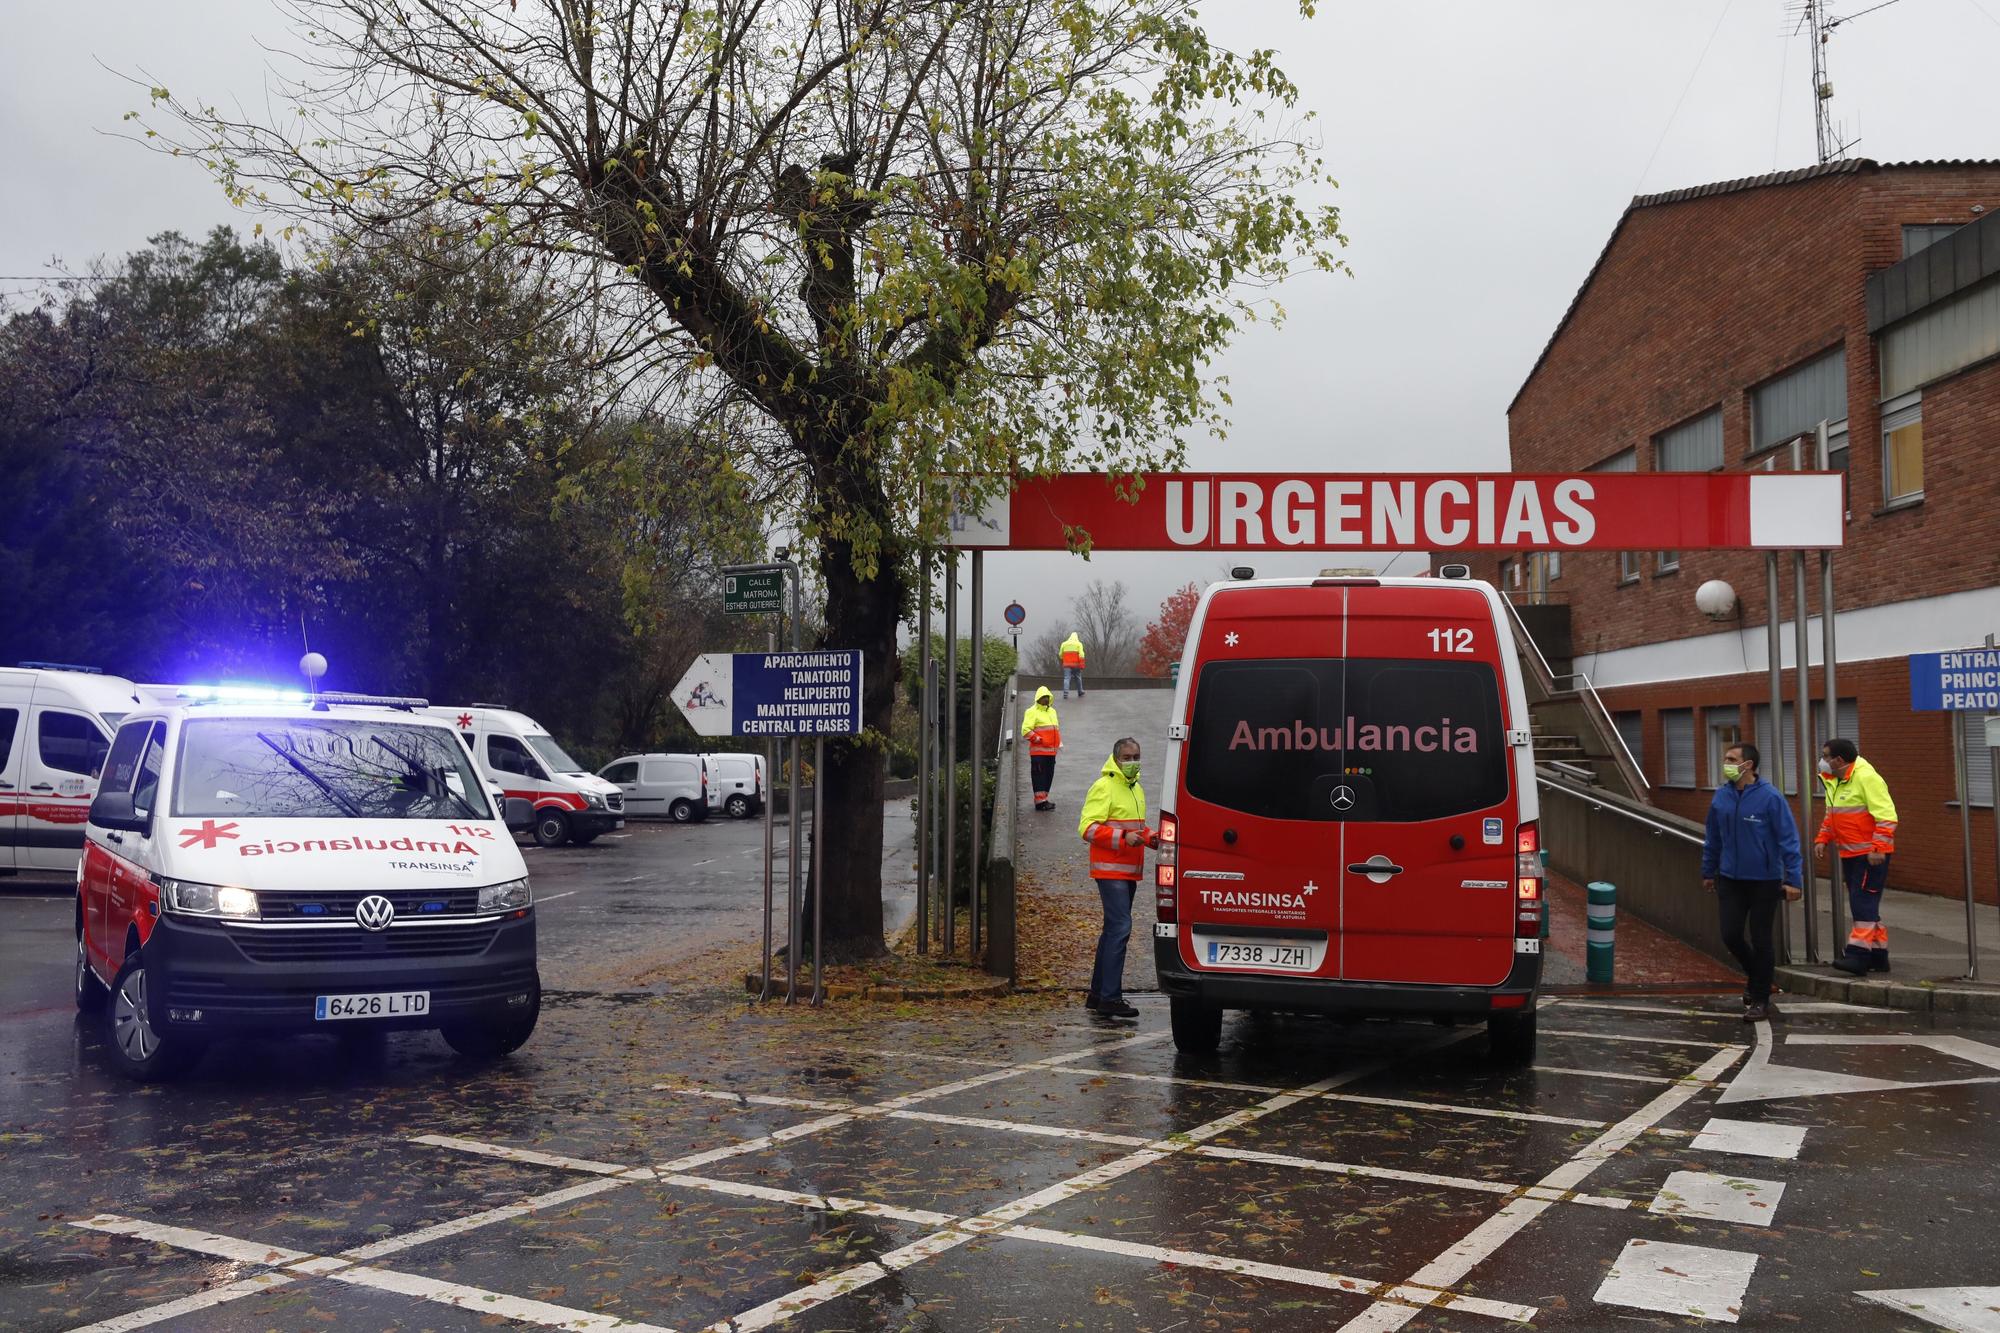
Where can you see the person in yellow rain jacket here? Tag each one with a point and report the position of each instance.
(1860, 826)
(1114, 824)
(1043, 734)
(1072, 664)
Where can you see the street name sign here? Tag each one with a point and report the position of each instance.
(773, 694)
(1965, 680)
(1360, 511)
(756, 593)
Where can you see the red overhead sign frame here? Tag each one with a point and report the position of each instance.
(1404, 511)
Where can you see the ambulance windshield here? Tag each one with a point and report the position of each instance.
(552, 754)
(1376, 740)
(313, 768)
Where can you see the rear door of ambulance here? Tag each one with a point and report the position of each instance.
(1258, 847)
(1427, 884)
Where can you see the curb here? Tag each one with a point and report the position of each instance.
(1920, 997)
(753, 982)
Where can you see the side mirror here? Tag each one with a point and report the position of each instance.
(519, 813)
(114, 811)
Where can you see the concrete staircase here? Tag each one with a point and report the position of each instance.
(1571, 729)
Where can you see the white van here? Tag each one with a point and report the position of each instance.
(1349, 821)
(736, 784)
(55, 726)
(512, 749)
(327, 866)
(661, 786)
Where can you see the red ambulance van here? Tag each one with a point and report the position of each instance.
(1350, 824)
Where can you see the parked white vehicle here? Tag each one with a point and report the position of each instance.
(571, 804)
(661, 786)
(55, 727)
(736, 784)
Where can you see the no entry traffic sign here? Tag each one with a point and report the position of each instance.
(773, 694)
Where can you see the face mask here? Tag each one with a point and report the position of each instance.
(1826, 767)
(1130, 768)
(1731, 772)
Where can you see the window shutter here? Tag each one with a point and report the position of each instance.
(1693, 446)
(1978, 759)
(1632, 730)
(1679, 727)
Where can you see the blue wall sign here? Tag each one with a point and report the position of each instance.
(773, 694)
(1966, 680)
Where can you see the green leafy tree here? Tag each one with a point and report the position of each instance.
(886, 241)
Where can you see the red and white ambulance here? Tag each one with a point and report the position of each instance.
(571, 804)
(55, 725)
(1350, 820)
(331, 865)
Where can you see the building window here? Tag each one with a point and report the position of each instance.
(1725, 728)
(1794, 403)
(1836, 461)
(1632, 730)
(1903, 450)
(1677, 728)
(1923, 235)
(1778, 746)
(1941, 339)
(1692, 446)
(1628, 566)
(1625, 460)
(1668, 562)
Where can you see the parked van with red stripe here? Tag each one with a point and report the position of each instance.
(1350, 823)
(571, 803)
(55, 726)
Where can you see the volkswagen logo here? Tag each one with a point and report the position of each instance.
(1343, 798)
(374, 912)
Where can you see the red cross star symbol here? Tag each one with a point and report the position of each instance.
(209, 834)
(465, 721)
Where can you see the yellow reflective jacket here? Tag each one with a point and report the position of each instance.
(1041, 717)
(1113, 806)
(1860, 817)
(1072, 651)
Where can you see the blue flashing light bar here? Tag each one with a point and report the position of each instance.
(244, 694)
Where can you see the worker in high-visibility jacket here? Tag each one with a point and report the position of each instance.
(1072, 664)
(1860, 826)
(1043, 733)
(1114, 826)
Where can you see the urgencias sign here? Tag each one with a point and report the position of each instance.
(1274, 511)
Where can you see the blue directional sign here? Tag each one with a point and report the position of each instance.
(773, 694)
(1966, 680)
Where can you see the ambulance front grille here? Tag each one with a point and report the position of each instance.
(315, 946)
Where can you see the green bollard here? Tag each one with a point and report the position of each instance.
(1603, 911)
(1546, 913)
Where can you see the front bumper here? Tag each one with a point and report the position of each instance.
(592, 822)
(1240, 990)
(238, 979)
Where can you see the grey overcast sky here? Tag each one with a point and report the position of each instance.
(1484, 151)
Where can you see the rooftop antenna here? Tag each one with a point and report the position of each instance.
(1818, 24)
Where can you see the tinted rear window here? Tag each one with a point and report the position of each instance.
(1407, 740)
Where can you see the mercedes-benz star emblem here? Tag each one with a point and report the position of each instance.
(1343, 798)
(374, 912)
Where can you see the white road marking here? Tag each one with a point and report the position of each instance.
(1965, 1048)
(826, 1203)
(187, 1238)
(1023, 1127)
(1760, 1080)
(755, 1098)
(1620, 1075)
(483, 1302)
(1478, 1245)
(1492, 1112)
(1961, 1309)
(1648, 1041)
(1691, 1280)
(531, 1155)
(444, 1230)
(201, 1300)
(551, 897)
(1411, 1177)
(1716, 1198)
(1751, 1138)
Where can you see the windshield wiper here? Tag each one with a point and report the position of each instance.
(436, 772)
(353, 811)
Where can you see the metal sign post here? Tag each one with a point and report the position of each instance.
(1774, 648)
(818, 868)
(926, 807)
(772, 695)
(950, 854)
(1964, 681)
(978, 750)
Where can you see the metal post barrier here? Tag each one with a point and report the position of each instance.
(950, 748)
(1830, 661)
(1802, 727)
(818, 868)
(764, 990)
(926, 808)
(1958, 754)
(977, 750)
(1602, 937)
(792, 822)
(1773, 746)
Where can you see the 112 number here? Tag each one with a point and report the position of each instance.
(1451, 640)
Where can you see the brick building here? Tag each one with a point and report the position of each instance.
(1720, 324)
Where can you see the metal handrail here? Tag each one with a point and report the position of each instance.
(1597, 805)
(1549, 678)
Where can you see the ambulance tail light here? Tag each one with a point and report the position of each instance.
(1528, 882)
(1166, 870)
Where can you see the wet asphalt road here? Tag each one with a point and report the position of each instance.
(673, 1158)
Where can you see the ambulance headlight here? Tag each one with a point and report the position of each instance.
(223, 900)
(595, 799)
(504, 897)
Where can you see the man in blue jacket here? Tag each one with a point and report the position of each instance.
(1750, 860)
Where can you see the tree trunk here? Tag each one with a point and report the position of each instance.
(860, 613)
